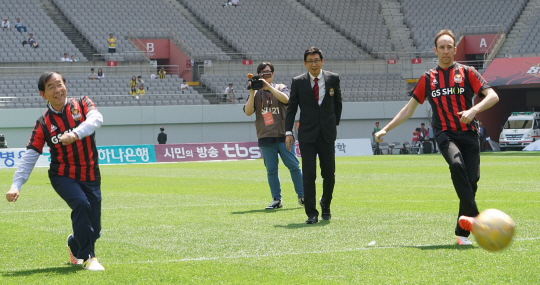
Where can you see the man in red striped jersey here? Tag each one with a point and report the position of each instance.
(68, 128)
(450, 89)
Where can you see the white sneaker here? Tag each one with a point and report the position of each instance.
(92, 264)
(463, 240)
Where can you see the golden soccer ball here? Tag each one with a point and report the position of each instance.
(493, 230)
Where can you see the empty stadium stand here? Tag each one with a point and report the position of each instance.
(361, 21)
(22, 92)
(272, 30)
(102, 17)
(52, 42)
(350, 32)
(484, 16)
(354, 87)
(524, 37)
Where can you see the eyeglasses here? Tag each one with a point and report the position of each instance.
(310, 62)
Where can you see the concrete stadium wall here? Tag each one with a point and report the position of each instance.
(207, 123)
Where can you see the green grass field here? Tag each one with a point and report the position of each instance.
(205, 223)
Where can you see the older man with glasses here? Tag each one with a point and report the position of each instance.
(318, 95)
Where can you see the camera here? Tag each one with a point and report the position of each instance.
(255, 82)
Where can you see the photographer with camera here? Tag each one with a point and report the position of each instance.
(269, 103)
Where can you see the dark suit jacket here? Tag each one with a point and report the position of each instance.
(313, 117)
(162, 138)
(483, 133)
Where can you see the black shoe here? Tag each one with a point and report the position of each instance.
(325, 212)
(312, 220)
(275, 204)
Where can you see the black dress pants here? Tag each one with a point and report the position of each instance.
(461, 150)
(327, 161)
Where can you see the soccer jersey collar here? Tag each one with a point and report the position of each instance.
(448, 68)
(56, 112)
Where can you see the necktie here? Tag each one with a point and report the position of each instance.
(316, 89)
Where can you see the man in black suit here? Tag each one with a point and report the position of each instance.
(318, 95)
(162, 136)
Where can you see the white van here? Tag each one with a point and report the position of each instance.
(521, 129)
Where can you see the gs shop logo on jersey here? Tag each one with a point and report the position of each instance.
(447, 91)
(56, 138)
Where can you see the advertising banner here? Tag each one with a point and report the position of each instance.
(347, 147)
(207, 151)
(10, 157)
(126, 154)
(513, 71)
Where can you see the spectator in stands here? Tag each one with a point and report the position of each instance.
(431, 137)
(5, 25)
(100, 75)
(162, 73)
(92, 75)
(229, 93)
(235, 3)
(133, 82)
(483, 136)
(162, 136)
(66, 58)
(141, 91)
(73, 59)
(19, 26)
(133, 91)
(184, 86)
(112, 43)
(31, 41)
(269, 105)
(140, 81)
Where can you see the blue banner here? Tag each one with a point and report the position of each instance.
(125, 154)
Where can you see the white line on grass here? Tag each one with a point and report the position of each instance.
(295, 253)
(132, 207)
(220, 204)
(266, 255)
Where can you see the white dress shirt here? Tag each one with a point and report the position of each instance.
(322, 88)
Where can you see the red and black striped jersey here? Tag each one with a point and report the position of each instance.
(78, 160)
(449, 92)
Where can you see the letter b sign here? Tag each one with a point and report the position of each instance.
(149, 47)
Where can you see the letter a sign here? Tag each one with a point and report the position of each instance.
(483, 43)
(416, 60)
